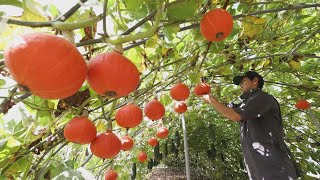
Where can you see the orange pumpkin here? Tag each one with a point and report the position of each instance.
(302, 104)
(129, 116)
(80, 130)
(113, 75)
(180, 107)
(142, 156)
(179, 92)
(154, 110)
(47, 65)
(127, 143)
(162, 132)
(216, 25)
(106, 145)
(201, 89)
(111, 175)
(153, 141)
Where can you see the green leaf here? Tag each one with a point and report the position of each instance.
(2, 83)
(133, 5)
(195, 77)
(182, 11)
(21, 165)
(16, 3)
(165, 99)
(170, 31)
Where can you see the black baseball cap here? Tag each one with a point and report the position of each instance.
(250, 74)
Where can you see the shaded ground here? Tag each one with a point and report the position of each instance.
(171, 174)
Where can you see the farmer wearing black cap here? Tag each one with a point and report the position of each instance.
(262, 136)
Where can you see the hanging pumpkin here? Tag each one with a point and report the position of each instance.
(162, 132)
(106, 145)
(112, 75)
(154, 110)
(47, 65)
(179, 92)
(180, 107)
(216, 25)
(142, 156)
(80, 130)
(201, 89)
(129, 116)
(302, 104)
(111, 175)
(153, 141)
(127, 143)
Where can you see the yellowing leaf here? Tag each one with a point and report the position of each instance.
(33, 11)
(136, 58)
(152, 42)
(253, 26)
(294, 64)
(101, 126)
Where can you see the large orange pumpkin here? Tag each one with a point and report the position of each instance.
(80, 130)
(111, 175)
(302, 104)
(162, 132)
(216, 25)
(179, 92)
(129, 116)
(113, 75)
(201, 89)
(142, 156)
(127, 143)
(180, 107)
(106, 145)
(154, 110)
(47, 65)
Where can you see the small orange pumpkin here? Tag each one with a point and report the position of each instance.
(127, 143)
(153, 141)
(80, 130)
(113, 75)
(106, 145)
(47, 65)
(179, 92)
(129, 116)
(302, 104)
(201, 89)
(111, 175)
(180, 107)
(162, 132)
(154, 110)
(142, 156)
(216, 25)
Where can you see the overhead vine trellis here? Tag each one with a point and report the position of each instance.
(279, 39)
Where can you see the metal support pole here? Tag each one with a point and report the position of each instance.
(186, 154)
(315, 121)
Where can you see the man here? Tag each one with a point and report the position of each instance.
(262, 135)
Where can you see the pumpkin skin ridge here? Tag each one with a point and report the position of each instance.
(127, 113)
(42, 64)
(214, 22)
(154, 110)
(107, 69)
(110, 143)
(77, 130)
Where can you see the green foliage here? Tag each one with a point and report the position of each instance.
(281, 45)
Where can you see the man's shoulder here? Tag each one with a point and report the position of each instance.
(264, 94)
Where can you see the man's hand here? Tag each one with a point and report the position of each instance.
(207, 98)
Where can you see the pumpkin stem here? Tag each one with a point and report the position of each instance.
(225, 4)
(24, 87)
(110, 93)
(112, 108)
(219, 35)
(118, 48)
(127, 131)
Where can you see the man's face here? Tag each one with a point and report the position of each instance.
(248, 84)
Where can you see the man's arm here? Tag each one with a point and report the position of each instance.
(225, 111)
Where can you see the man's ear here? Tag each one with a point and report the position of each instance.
(256, 81)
